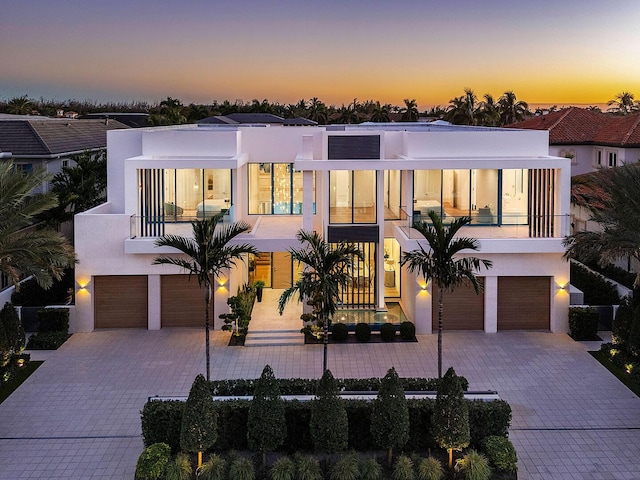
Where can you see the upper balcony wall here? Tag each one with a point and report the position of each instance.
(192, 142)
(481, 144)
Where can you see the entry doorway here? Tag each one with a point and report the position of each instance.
(275, 269)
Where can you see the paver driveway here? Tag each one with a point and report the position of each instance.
(78, 417)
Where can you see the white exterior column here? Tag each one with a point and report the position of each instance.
(307, 200)
(491, 304)
(153, 302)
(380, 251)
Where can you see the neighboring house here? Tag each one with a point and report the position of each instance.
(363, 184)
(590, 139)
(32, 141)
(256, 118)
(133, 120)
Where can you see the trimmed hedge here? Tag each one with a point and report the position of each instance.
(583, 323)
(53, 331)
(161, 423)
(306, 386)
(597, 291)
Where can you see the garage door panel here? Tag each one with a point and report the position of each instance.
(463, 308)
(524, 303)
(182, 302)
(120, 301)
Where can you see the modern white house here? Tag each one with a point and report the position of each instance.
(364, 184)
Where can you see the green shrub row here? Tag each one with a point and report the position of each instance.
(624, 360)
(583, 323)
(306, 386)
(340, 331)
(54, 329)
(597, 291)
(613, 272)
(33, 295)
(161, 422)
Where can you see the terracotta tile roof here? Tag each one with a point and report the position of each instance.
(578, 126)
(43, 138)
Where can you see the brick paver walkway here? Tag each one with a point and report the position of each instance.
(78, 416)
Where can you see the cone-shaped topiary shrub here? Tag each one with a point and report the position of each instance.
(450, 420)
(390, 415)
(198, 431)
(329, 427)
(266, 423)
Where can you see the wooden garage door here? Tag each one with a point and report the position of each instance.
(463, 309)
(524, 303)
(120, 301)
(182, 302)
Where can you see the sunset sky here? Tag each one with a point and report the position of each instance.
(547, 51)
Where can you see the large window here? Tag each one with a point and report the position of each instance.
(488, 196)
(352, 196)
(392, 186)
(275, 189)
(195, 193)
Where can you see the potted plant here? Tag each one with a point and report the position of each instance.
(259, 285)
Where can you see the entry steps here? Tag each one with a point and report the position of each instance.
(274, 338)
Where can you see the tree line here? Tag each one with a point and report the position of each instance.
(466, 109)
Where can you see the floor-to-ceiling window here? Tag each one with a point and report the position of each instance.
(352, 196)
(275, 189)
(488, 196)
(392, 188)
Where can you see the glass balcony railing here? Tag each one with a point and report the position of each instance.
(490, 225)
(157, 226)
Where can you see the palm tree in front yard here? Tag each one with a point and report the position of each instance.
(206, 255)
(327, 270)
(440, 264)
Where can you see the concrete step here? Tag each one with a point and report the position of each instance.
(274, 338)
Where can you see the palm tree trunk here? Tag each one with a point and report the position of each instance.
(440, 312)
(207, 297)
(325, 342)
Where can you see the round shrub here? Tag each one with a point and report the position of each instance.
(501, 453)
(403, 469)
(407, 330)
(152, 462)
(363, 332)
(388, 332)
(339, 332)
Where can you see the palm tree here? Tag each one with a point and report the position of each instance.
(440, 263)
(79, 188)
(317, 111)
(348, 114)
(615, 205)
(464, 110)
(206, 255)
(20, 105)
(380, 113)
(622, 103)
(327, 270)
(25, 249)
(172, 108)
(490, 116)
(410, 111)
(511, 109)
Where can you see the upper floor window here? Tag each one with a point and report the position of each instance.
(598, 158)
(612, 159)
(275, 189)
(195, 193)
(352, 197)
